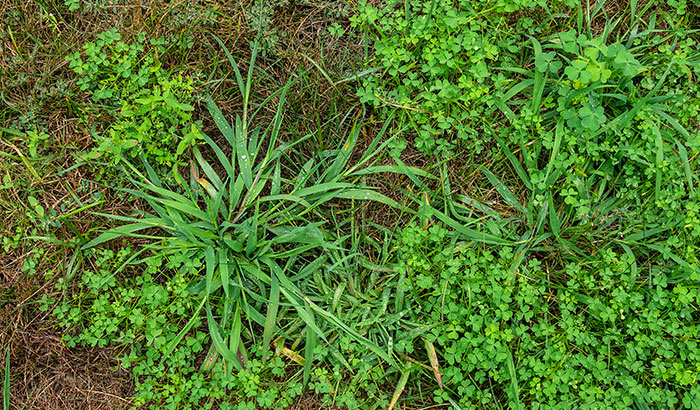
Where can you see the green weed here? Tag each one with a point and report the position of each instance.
(152, 114)
(591, 332)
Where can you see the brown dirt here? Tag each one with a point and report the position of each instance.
(45, 374)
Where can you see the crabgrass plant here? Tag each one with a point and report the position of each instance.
(261, 234)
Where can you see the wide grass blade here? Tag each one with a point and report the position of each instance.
(369, 195)
(343, 156)
(239, 78)
(218, 339)
(682, 151)
(434, 364)
(309, 353)
(271, 318)
(173, 344)
(399, 388)
(120, 231)
(524, 176)
(244, 157)
(514, 394)
(502, 189)
(468, 233)
(234, 337)
(221, 122)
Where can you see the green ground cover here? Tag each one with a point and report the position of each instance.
(387, 204)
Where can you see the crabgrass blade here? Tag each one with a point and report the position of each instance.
(323, 72)
(378, 169)
(271, 317)
(554, 221)
(343, 155)
(644, 234)
(524, 176)
(235, 192)
(292, 293)
(221, 122)
(454, 404)
(324, 187)
(409, 173)
(682, 151)
(235, 335)
(369, 195)
(468, 202)
(208, 170)
(239, 77)
(516, 89)
(224, 272)
(210, 265)
(252, 241)
(276, 126)
(539, 80)
(399, 388)
(187, 209)
(217, 338)
(244, 160)
(505, 110)
(558, 136)
(309, 233)
(309, 353)
(658, 140)
(173, 344)
(630, 254)
(286, 197)
(152, 174)
(515, 399)
(249, 80)
(363, 340)
(374, 147)
(118, 232)
(276, 182)
(174, 200)
(358, 75)
(506, 193)
(468, 233)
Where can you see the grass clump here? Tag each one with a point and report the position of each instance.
(245, 247)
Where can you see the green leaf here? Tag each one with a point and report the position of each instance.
(369, 195)
(124, 230)
(271, 318)
(239, 78)
(173, 344)
(235, 335)
(524, 176)
(224, 270)
(218, 340)
(506, 193)
(333, 172)
(244, 157)
(309, 352)
(514, 396)
(468, 233)
(399, 388)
